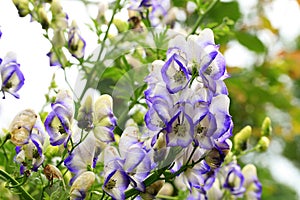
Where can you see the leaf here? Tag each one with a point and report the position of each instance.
(223, 10)
(250, 41)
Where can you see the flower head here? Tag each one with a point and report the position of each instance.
(84, 157)
(59, 121)
(76, 44)
(11, 75)
(251, 183)
(28, 134)
(234, 180)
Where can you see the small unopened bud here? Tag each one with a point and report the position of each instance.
(43, 18)
(51, 172)
(152, 190)
(166, 190)
(263, 144)
(102, 8)
(81, 185)
(85, 114)
(22, 6)
(122, 26)
(51, 151)
(266, 128)
(241, 138)
(56, 7)
(161, 142)
(138, 117)
(59, 39)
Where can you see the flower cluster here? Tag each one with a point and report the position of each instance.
(11, 77)
(189, 108)
(239, 182)
(98, 121)
(50, 15)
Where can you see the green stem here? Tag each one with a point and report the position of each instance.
(151, 179)
(7, 137)
(117, 5)
(201, 17)
(23, 192)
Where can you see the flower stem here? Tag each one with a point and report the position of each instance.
(201, 17)
(117, 5)
(7, 137)
(23, 192)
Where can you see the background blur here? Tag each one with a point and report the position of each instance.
(262, 49)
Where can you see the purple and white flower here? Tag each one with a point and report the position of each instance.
(251, 183)
(129, 164)
(58, 123)
(81, 185)
(11, 75)
(234, 179)
(28, 134)
(84, 156)
(76, 44)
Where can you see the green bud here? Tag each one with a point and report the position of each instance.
(58, 39)
(138, 117)
(51, 151)
(241, 138)
(121, 25)
(43, 18)
(266, 128)
(263, 144)
(22, 6)
(56, 7)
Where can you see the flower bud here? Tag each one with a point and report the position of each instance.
(81, 185)
(58, 39)
(263, 144)
(56, 7)
(52, 172)
(152, 190)
(121, 25)
(85, 114)
(266, 128)
(102, 8)
(251, 183)
(76, 44)
(43, 18)
(21, 127)
(241, 138)
(22, 6)
(51, 151)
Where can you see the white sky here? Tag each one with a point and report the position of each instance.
(25, 39)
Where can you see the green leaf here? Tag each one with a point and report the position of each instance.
(223, 10)
(250, 41)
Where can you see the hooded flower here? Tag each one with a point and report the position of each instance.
(84, 157)
(98, 117)
(234, 179)
(28, 134)
(11, 75)
(192, 177)
(76, 43)
(129, 164)
(251, 183)
(59, 121)
(81, 185)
